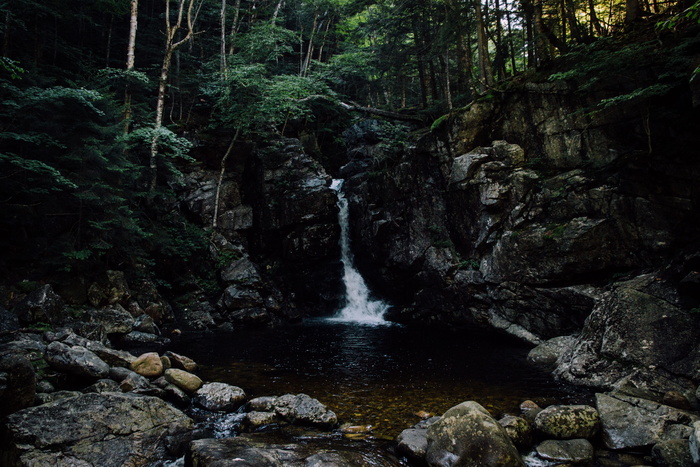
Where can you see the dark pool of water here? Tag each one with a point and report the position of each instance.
(376, 375)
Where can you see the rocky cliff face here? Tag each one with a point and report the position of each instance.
(522, 213)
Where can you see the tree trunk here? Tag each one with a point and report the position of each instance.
(310, 50)
(277, 11)
(633, 10)
(485, 69)
(217, 197)
(222, 21)
(130, 61)
(170, 46)
(234, 26)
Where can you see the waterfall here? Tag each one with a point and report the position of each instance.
(359, 306)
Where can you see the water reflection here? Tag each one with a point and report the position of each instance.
(376, 375)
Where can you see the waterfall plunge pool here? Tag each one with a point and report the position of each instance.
(378, 375)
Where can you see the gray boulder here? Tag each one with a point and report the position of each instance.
(17, 383)
(572, 451)
(413, 443)
(694, 441)
(254, 420)
(631, 422)
(467, 435)
(302, 409)
(114, 318)
(547, 353)
(41, 305)
(568, 421)
(75, 360)
(672, 453)
(8, 320)
(519, 430)
(219, 397)
(107, 429)
(261, 404)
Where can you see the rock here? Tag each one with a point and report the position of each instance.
(17, 383)
(103, 385)
(545, 355)
(467, 435)
(112, 357)
(75, 360)
(568, 421)
(184, 380)
(176, 395)
(629, 422)
(106, 429)
(677, 400)
(672, 453)
(236, 297)
(255, 420)
(219, 397)
(181, 362)
(694, 442)
(529, 410)
(138, 337)
(8, 320)
(114, 318)
(165, 361)
(518, 429)
(145, 323)
(413, 443)
(261, 404)
(241, 271)
(133, 381)
(572, 451)
(148, 364)
(41, 305)
(304, 410)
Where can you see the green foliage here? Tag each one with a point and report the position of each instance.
(689, 15)
(439, 122)
(11, 67)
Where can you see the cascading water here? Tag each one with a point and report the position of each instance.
(359, 306)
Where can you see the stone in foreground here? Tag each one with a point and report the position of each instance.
(219, 396)
(468, 436)
(108, 430)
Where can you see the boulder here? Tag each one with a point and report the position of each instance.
(467, 435)
(41, 305)
(302, 409)
(138, 337)
(413, 443)
(572, 451)
(8, 320)
(148, 364)
(181, 362)
(17, 383)
(106, 429)
(237, 297)
(112, 357)
(546, 354)
(568, 421)
(255, 420)
(145, 323)
(219, 397)
(672, 453)
(114, 318)
(261, 404)
(630, 422)
(183, 379)
(75, 360)
(518, 429)
(241, 271)
(103, 385)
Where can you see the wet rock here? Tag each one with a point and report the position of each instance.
(107, 429)
(133, 382)
(572, 451)
(176, 395)
(413, 443)
(138, 337)
(255, 420)
(568, 421)
(114, 318)
(630, 422)
(518, 429)
(144, 323)
(17, 383)
(186, 381)
(304, 410)
(261, 404)
(467, 435)
(672, 453)
(547, 353)
(241, 271)
(148, 364)
(112, 357)
(219, 397)
(75, 360)
(236, 297)
(41, 305)
(677, 400)
(181, 362)
(102, 385)
(529, 410)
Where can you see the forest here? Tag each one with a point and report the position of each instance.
(103, 104)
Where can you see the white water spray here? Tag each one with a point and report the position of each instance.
(359, 306)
